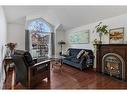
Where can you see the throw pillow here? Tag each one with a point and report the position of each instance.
(66, 53)
(85, 53)
(79, 54)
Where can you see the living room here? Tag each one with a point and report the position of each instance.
(65, 30)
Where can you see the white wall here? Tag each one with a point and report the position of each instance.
(59, 35)
(16, 34)
(49, 16)
(114, 22)
(3, 26)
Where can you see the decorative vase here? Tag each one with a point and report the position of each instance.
(100, 36)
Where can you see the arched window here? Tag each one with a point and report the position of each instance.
(40, 37)
(39, 25)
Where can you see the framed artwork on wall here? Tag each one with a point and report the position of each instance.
(116, 35)
(79, 37)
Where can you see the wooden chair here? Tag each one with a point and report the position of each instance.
(28, 71)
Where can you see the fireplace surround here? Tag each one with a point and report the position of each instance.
(111, 60)
(113, 65)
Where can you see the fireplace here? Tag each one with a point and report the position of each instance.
(112, 60)
(113, 65)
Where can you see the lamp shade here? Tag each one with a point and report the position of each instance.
(61, 42)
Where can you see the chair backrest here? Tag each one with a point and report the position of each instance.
(27, 56)
(22, 59)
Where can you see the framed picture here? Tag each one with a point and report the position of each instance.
(79, 37)
(116, 35)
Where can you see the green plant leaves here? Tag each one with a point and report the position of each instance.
(101, 28)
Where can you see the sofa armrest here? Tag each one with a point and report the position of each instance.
(64, 55)
(88, 59)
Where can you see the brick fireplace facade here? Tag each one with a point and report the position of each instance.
(111, 60)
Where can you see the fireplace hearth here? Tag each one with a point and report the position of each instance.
(111, 60)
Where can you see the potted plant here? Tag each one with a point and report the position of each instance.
(102, 30)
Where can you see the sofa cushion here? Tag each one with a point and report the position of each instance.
(75, 60)
(84, 61)
(80, 54)
(74, 52)
(69, 58)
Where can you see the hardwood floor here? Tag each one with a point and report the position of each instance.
(71, 78)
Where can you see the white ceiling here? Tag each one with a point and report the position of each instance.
(68, 16)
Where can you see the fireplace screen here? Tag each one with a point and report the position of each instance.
(112, 65)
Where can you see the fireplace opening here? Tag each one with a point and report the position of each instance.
(113, 65)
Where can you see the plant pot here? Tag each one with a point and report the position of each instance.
(100, 35)
(99, 42)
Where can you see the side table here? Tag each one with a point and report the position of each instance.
(55, 60)
(8, 61)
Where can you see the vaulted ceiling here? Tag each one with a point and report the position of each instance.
(69, 16)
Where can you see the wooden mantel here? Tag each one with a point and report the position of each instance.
(99, 45)
(102, 49)
(111, 44)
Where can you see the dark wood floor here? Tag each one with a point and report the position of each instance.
(72, 78)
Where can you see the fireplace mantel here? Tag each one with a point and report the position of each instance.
(99, 45)
(111, 44)
(103, 49)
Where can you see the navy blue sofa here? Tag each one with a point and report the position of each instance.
(81, 63)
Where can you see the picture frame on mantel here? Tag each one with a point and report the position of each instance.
(116, 36)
